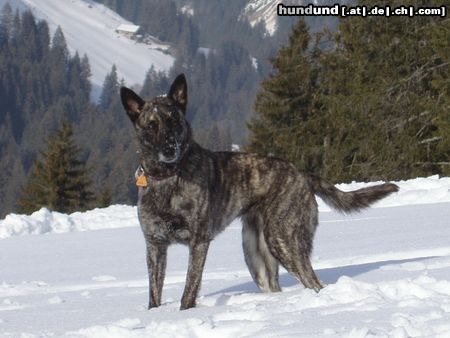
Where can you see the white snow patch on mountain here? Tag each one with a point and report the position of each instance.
(262, 11)
(265, 11)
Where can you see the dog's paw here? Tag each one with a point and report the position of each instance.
(187, 305)
(152, 306)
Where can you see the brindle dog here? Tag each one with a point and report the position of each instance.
(191, 194)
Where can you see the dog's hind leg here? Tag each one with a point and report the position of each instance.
(306, 272)
(295, 261)
(291, 244)
(262, 265)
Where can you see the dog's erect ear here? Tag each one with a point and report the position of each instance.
(178, 92)
(131, 102)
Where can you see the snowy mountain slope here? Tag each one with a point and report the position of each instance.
(266, 11)
(89, 28)
(387, 270)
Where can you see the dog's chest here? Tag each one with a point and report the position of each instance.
(167, 213)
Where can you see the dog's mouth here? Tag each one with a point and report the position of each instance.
(170, 153)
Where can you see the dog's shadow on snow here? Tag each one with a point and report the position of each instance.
(328, 275)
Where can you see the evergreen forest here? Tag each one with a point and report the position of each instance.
(348, 98)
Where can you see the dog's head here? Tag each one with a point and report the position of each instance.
(162, 130)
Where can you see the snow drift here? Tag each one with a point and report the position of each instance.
(417, 191)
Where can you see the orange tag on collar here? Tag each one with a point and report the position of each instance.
(142, 181)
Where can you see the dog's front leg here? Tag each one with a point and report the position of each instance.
(156, 264)
(197, 258)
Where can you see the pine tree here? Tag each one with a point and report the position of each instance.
(110, 90)
(11, 167)
(286, 106)
(59, 180)
(155, 83)
(371, 103)
(85, 75)
(59, 60)
(43, 39)
(59, 46)
(105, 198)
(383, 90)
(6, 23)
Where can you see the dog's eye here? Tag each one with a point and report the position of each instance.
(173, 114)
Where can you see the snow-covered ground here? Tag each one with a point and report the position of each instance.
(387, 270)
(89, 28)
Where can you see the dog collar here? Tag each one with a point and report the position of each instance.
(143, 177)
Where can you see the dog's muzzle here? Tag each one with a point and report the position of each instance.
(170, 153)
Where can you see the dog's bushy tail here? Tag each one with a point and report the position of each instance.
(350, 201)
